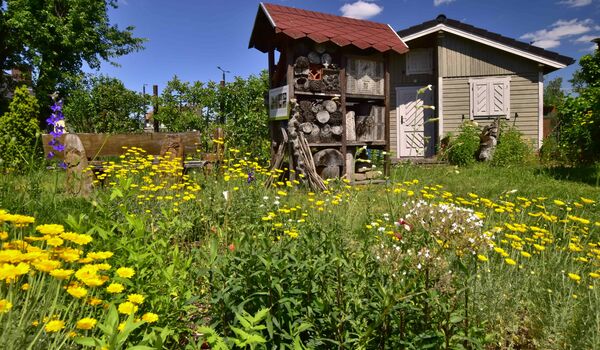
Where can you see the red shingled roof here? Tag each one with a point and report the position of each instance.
(320, 27)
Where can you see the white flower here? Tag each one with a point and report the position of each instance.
(226, 195)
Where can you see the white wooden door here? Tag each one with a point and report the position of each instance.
(410, 120)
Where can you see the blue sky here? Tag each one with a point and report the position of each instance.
(190, 38)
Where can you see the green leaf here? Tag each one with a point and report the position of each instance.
(86, 341)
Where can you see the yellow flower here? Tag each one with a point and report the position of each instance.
(559, 203)
(86, 323)
(5, 306)
(510, 261)
(482, 257)
(10, 273)
(127, 308)
(115, 288)
(99, 255)
(3, 235)
(61, 274)
(587, 200)
(76, 238)
(25, 286)
(46, 265)
(150, 317)
(575, 277)
(94, 301)
(77, 292)
(54, 326)
(136, 298)
(54, 241)
(121, 326)
(525, 254)
(50, 229)
(594, 275)
(125, 272)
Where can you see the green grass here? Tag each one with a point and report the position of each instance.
(344, 274)
(531, 180)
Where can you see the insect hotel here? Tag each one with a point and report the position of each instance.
(329, 97)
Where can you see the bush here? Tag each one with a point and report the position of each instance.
(19, 129)
(461, 150)
(512, 149)
(551, 152)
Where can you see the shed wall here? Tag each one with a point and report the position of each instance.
(461, 57)
(524, 99)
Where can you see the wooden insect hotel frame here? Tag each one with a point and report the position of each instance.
(330, 90)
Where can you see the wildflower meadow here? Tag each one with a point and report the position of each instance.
(435, 258)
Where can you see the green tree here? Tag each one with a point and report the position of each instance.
(103, 104)
(182, 104)
(55, 37)
(198, 106)
(579, 117)
(589, 74)
(19, 130)
(553, 94)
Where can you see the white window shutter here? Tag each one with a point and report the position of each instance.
(480, 91)
(490, 97)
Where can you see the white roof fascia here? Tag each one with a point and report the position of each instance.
(392, 29)
(262, 5)
(488, 42)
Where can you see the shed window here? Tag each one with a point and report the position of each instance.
(490, 97)
(419, 61)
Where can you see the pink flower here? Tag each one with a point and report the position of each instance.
(404, 224)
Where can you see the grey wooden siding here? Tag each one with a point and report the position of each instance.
(461, 57)
(523, 101)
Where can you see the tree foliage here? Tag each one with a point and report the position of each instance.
(103, 104)
(553, 94)
(19, 130)
(55, 37)
(589, 74)
(199, 106)
(579, 117)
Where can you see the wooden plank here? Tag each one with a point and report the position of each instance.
(386, 88)
(103, 145)
(343, 83)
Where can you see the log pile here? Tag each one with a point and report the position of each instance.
(319, 120)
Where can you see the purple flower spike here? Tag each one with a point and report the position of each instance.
(59, 147)
(62, 165)
(50, 155)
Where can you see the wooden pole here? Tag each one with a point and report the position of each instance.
(386, 90)
(289, 57)
(342, 79)
(155, 108)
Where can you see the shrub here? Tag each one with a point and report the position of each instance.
(19, 129)
(461, 150)
(512, 149)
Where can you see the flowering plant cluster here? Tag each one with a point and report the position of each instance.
(55, 121)
(52, 289)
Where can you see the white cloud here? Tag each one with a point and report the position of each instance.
(576, 3)
(586, 38)
(441, 2)
(551, 37)
(361, 9)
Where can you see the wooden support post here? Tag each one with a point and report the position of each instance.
(289, 57)
(386, 89)
(345, 170)
(155, 109)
